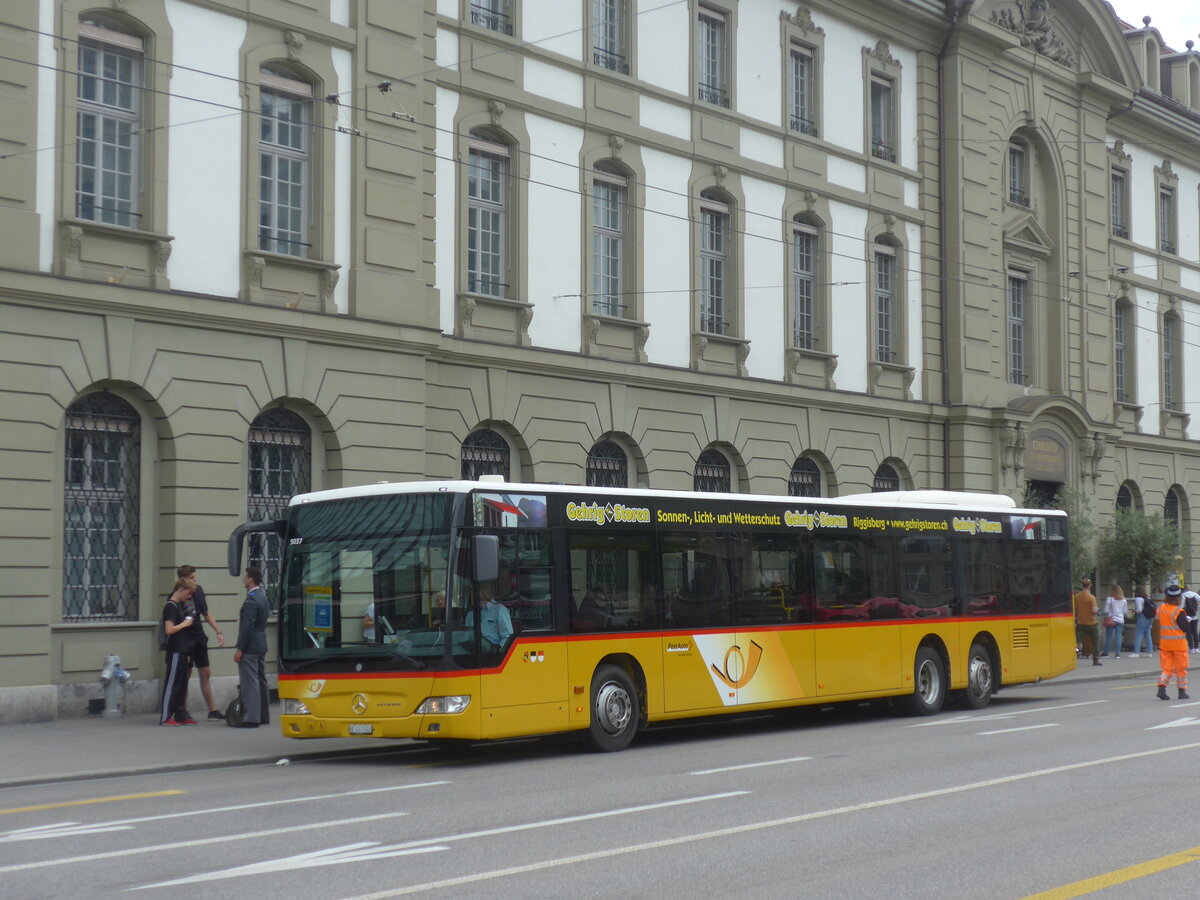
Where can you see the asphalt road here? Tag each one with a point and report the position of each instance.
(1052, 785)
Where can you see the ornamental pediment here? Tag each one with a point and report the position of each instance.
(1025, 234)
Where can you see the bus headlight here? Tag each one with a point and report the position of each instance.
(444, 705)
(295, 708)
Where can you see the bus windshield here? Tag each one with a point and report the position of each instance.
(364, 583)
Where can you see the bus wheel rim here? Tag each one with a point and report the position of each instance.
(927, 681)
(613, 708)
(980, 677)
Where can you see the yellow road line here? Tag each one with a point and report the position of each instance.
(21, 809)
(1119, 876)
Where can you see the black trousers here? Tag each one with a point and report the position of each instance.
(174, 687)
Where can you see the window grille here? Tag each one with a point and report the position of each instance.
(1124, 498)
(712, 473)
(484, 453)
(607, 466)
(1171, 508)
(805, 480)
(101, 528)
(280, 445)
(886, 479)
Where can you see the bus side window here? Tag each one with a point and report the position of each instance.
(611, 580)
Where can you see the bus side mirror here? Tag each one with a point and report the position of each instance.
(234, 550)
(485, 557)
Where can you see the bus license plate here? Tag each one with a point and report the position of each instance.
(362, 728)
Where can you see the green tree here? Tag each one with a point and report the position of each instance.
(1083, 531)
(1138, 549)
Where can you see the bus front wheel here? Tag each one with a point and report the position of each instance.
(614, 710)
(929, 684)
(980, 678)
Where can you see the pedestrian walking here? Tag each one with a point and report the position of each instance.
(1191, 606)
(177, 618)
(1115, 608)
(199, 650)
(1143, 611)
(1172, 644)
(1087, 635)
(251, 651)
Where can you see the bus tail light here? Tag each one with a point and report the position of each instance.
(444, 705)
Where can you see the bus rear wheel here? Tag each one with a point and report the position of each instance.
(980, 678)
(615, 710)
(929, 684)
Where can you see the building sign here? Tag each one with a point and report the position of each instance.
(1046, 458)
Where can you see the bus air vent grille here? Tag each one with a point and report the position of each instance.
(1020, 638)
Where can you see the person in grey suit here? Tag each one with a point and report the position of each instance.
(251, 652)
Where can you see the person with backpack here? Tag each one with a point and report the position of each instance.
(175, 630)
(1191, 606)
(1144, 611)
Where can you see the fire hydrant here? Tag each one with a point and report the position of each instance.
(112, 676)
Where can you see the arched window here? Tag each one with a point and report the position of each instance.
(484, 453)
(100, 510)
(1124, 498)
(1171, 508)
(712, 473)
(805, 480)
(280, 466)
(886, 479)
(284, 162)
(607, 466)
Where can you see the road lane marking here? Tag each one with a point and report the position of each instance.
(66, 803)
(1119, 876)
(364, 851)
(1022, 728)
(198, 842)
(759, 826)
(770, 762)
(70, 829)
(1186, 720)
(958, 720)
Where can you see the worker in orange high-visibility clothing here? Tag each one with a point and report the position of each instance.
(1172, 643)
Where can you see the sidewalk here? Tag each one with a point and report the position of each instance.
(73, 749)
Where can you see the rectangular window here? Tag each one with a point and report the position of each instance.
(1169, 363)
(883, 129)
(608, 35)
(487, 177)
(1017, 288)
(714, 242)
(493, 15)
(804, 261)
(711, 63)
(1118, 204)
(885, 298)
(1166, 220)
(608, 215)
(108, 124)
(802, 110)
(1018, 177)
(283, 165)
(1119, 324)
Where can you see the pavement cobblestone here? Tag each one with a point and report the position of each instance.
(94, 746)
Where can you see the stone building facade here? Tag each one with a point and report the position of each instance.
(259, 248)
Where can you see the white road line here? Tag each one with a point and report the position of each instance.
(198, 842)
(756, 826)
(1022, 728)
(20, 834)
(771, 762)
(958, 720)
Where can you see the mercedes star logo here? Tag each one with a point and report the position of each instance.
(359, 704)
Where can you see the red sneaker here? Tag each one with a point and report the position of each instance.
(187, 720)
(170, 721)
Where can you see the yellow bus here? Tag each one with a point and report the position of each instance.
(478, 610)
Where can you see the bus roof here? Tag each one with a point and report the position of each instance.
(885, 500)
